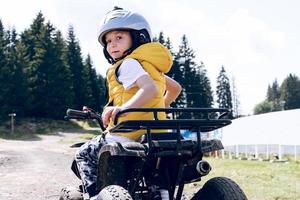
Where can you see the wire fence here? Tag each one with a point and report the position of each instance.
(264, 151)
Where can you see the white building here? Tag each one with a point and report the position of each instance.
(271, 133)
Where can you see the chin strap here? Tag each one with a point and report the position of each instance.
(113, 61)
(109, 59)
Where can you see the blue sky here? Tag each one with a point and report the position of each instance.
(256, 41)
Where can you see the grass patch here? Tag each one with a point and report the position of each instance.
(89, 136)
(18, 134)
(259, 180)
(30, 128)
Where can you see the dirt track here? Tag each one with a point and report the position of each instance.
(36, 170)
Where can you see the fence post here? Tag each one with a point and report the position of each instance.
(236, 151)
(267, 157)
(256, 151)
(223, 153)
(279, 152)
(12, 123)
(295, 151)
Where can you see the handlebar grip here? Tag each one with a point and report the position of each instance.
(224, 114)
(77, 113)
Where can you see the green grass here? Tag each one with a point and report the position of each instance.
(30, 129)
(89, 136)
(259, 180)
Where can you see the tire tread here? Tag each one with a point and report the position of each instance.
(220, 188)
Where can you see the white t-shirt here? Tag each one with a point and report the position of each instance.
(129, 71)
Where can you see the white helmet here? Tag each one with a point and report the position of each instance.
(119, 19)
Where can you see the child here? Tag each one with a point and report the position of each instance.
(135, 79)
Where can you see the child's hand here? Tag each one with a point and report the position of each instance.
(110, 112)
(115, 112)
(86, 109)
(106, 115)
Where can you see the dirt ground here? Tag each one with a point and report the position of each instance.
(36, 170)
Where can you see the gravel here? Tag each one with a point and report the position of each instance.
(36, 170)
(39, 169)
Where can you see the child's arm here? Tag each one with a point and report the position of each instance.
(173, 89)
(147, 90)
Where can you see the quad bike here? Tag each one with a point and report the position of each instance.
(138, 170)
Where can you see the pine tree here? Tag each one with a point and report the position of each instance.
(205, 97)
(103, 97)
(79, 72)
(235, 100)
(169, 46)
(33, 41)
(56, 88)
(273, 96)
(273, 92)
(290, 92)
(223, 90)
(31, 37)
(3, 43)
(17, 83)
(185, 58)
(160, 38)
(4, 72)
(166, 42)
(42, 85)
(12, 79)
(50, 83)
(196, 85)
(97, 86)
(41, 75)
(176, 73)
(60, 85)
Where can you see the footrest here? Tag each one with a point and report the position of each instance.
(124, 149)
(172, 144)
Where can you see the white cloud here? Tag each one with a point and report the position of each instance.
(245, 45)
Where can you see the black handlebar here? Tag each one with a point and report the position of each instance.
(78, 114)
(89, 114)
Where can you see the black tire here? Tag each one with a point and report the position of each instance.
(70, 193)
(114, 192)
(220, 188)
(111, 171)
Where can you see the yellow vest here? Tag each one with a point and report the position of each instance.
(156, 60)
